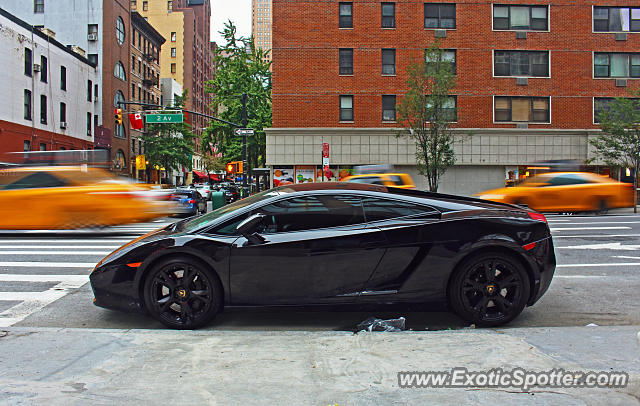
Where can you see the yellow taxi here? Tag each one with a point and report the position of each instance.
(62, 197)
(566, 192)
(399, 180)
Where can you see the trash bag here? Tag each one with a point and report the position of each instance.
(375, 324)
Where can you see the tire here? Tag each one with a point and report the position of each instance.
(178, 303)
(475, 292)
(601, 208)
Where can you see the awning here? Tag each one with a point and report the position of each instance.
(213, 176)
(199, 174)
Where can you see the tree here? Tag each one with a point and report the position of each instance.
(619, 142)
(240, 68)
(211, 163)
(169, 145)
(427, 109)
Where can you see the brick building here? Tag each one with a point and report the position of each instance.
(261, 25)
(530, 75)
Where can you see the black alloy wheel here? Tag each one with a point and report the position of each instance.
(489, 289)
(182, 293)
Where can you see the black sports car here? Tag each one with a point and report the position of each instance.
(335, 243)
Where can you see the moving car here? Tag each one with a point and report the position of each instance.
(63, 197)
(400, 180)
(566, 192)
(190, 201)
(335, 243)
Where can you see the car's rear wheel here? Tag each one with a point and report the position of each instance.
(182, 293)
(489, 289)
(601, 207)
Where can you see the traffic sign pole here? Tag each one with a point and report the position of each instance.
(245, 122)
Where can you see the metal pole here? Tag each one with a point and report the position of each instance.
(245, 122)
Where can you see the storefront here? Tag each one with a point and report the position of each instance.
(289, 174)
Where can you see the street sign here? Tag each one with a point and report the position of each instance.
(164, 118)
(325, 150)
(244, 131)
(141, 162)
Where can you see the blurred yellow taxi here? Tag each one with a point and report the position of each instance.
(399, 180)
(566, 192)
(62, 197)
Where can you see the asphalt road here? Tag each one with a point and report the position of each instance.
(43, 283)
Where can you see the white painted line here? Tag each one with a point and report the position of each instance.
(598, 265)
(606, 246)
(53, 247)
(55, 253)
(63, 240)
(70, 280)
(49, 264)
(613, 216)
(588, 228)
(596, 236)
(20, 296)
(625, 257)
(604, 222)
(578, 276)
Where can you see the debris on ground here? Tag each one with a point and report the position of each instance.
(375, 324)
(592, 325)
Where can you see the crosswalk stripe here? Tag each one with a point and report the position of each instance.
(48, 264)
(64, 240)
(69, 280)
(55, 253)
(51, 247)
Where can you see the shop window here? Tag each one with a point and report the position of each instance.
(346, 15)
(616, 65)
(517, 17)
(521, 63)
(346, 108)
(346, 61)
(522, 109)
(440, 15)
(616, 19)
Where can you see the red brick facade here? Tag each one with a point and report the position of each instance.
(13, 136)
(306, 83)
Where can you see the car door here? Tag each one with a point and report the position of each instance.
(317, 249)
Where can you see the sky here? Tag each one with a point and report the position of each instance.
(238, 11)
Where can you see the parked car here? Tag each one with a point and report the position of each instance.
(204, 189)
(231, 192)
(566, 192)
(335, 243)
(190, 201)
(401, 180)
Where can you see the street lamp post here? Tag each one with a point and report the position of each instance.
(245, 122)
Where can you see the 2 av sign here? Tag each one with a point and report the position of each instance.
(163, 118)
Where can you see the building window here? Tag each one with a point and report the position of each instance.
(133, 91)
(346, 108)
(388, 108)
(145, 6)
(134, 4)
(173, 52)
(522, 109)
(93, 58)
(38, 6)
(169, 6)
(446, 109)
(26, 146)
(439, 15)
(173, 37)
(388, 61)
(63, 78)
(346, 15)
(120, 33)
(92, 29)
(117, 100)
(119, 71)
(616, 19)
(88, 124)
(603, 104)
(28, 62)
(95, 122)
(444, 55)
(388, 15)
(43, 146)
(173, 68)
(63, 113)
(43, 68)
(27, 104)
(346, 61)
(89, 89)
(614, 65)
(521, 63)
(518, 17)
(43, 109)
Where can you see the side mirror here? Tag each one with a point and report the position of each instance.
(248, 225)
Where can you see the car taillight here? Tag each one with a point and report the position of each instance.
(537, 216)
(191, 201)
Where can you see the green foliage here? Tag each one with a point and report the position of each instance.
(619, 142)
(213, 164)
(240, 68)
(169, 145)
(427, 111)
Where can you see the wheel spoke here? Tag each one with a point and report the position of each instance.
(200, 295)
(188, 276)
(489, 271)
(503, 304)
(166, 280)
(511, 280)
(481, 306)
(165, 303)
(186, 312)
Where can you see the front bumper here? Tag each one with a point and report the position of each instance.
(113, 288)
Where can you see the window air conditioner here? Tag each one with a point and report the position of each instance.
(63, 124)
(92, 36)
(36, 67)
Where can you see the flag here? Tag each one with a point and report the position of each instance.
(136, 121)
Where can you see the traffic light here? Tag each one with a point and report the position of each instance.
(118, 116)
(232, 167)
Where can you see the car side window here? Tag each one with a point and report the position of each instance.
(376, 209)
(568, 179)
(373, 180)
(311, 212)
(397, 180)
(36, 180)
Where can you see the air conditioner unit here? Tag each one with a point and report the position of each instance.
(92, 36)
(63, 124)
(95, 98)
(36, 67)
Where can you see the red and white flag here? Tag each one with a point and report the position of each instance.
(136, 121)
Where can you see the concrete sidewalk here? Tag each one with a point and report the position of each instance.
(48, 366)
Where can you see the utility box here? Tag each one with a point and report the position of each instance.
(217, 200)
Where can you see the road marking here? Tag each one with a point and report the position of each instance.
(49, 264)
(588, 228)
(598, 265)
(69, 280)
(63, 240)
(625, 257)
(613, 216)
(604, 222)
(596, 236)
(55, 253)
(51, 247)
(578, 276)
(606, 246)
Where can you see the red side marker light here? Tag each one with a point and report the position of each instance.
(537, 216)
(530, 246)
(134, 264)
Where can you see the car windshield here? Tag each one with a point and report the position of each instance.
(202, 221)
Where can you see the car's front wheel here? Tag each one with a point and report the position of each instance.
(489, 289)
(182, 293)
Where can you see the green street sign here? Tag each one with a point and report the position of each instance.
(163, 118)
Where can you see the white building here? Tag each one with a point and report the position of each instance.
(47, 91)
